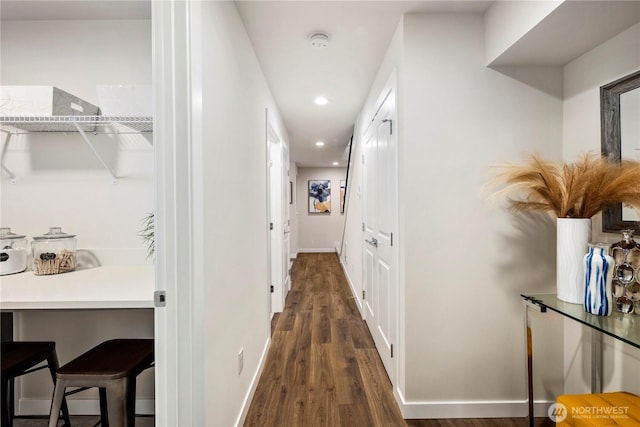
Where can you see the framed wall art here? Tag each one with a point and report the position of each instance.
(343, 187)
(319, 196)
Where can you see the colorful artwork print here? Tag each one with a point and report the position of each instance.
(343, 186)
(319, 196)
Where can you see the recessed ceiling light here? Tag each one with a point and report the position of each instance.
(319, 144)
(335, 163)
(321, 100)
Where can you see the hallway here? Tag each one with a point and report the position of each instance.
(322, 368)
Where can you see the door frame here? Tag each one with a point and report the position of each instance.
(277, 272)
(179, 217)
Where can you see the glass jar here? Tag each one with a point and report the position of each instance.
(13, 252)
(54, 252)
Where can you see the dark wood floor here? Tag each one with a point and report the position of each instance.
(322, 368)
(481, 422)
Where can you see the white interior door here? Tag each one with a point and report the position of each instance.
(277, 250)
(286, 222)
(380, 207)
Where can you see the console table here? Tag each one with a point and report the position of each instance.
(623, 327)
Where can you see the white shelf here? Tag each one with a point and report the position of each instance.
(16, 125)
(94, 124)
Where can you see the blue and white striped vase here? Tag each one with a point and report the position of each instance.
(598, 277)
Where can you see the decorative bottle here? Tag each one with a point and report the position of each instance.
(626, 255)
(620, 250)
(599, 266)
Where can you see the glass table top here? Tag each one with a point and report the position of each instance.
(625, 327)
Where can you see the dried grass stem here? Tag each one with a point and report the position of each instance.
(578, 190)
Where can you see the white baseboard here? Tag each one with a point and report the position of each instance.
(254, 384)
(352, 286)
(77, 406)
(468, 409)
(316, 250)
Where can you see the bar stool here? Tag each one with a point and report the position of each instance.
(113, 367)
(20, 358)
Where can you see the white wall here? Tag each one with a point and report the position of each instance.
(449, 319)
(59, 182)
(235, 212)
(583, 77)
(319, 232)
(76, 55)
(459, 119)
(464, 262)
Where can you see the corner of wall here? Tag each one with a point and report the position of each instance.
(506, 22)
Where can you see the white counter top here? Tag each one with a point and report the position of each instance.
(106, 287)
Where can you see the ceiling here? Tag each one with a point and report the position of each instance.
(359, 35)
(343, 72)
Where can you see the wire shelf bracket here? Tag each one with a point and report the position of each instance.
(114, 178)
(6, 170)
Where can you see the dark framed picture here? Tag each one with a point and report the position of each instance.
(319, 196)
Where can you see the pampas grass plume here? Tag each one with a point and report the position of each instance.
(576, 190)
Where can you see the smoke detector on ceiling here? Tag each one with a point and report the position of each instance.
(319, 40)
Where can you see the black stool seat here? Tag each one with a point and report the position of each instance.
(19, 358)
(111, 360)
(112, 366)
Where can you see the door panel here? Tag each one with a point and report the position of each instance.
(384, 308)
(369, 276)
(369, 225)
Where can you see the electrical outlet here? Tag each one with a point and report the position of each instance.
(240, 361)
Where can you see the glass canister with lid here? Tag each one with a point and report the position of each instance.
(54, 252)
(13, 252)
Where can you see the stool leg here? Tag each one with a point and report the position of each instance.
(56, 402)
(104, 419)
(116, 402)
(12, 401)
(52, 361)
(6, 390)
(131, 402)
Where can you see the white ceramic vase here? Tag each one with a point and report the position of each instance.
(573, 235)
